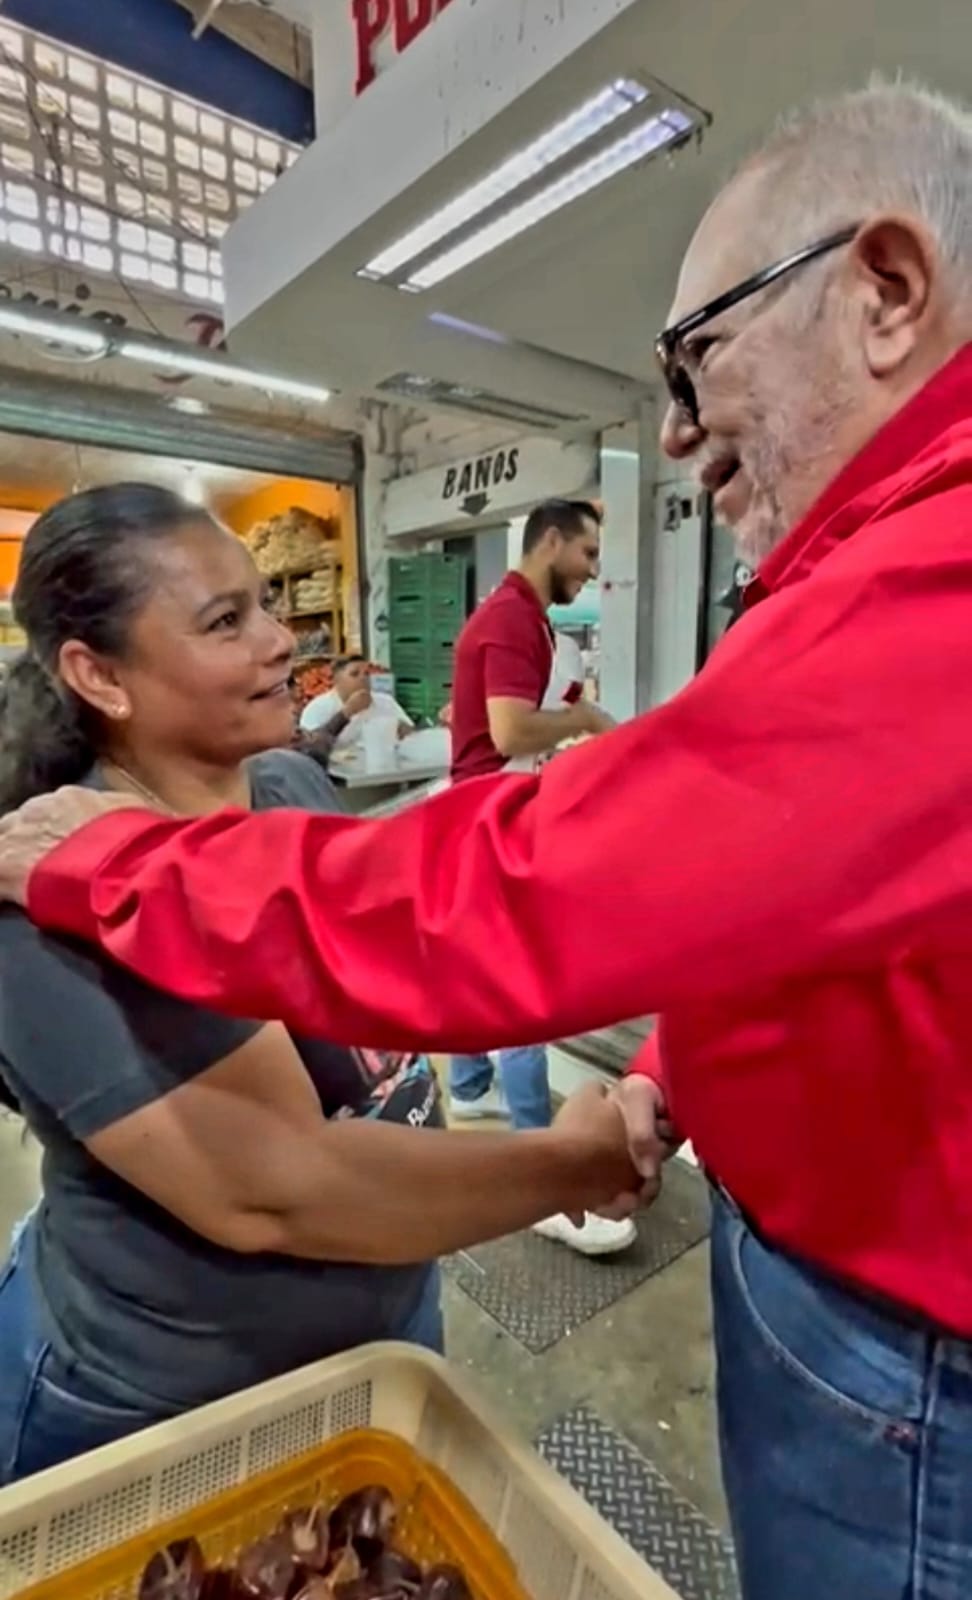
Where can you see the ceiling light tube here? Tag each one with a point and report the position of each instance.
(172, 358)
(68, 331)
(652, 136)
(589, 119)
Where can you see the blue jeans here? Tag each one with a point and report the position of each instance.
(523, 1074)
(52, 1408)
(846, 1434)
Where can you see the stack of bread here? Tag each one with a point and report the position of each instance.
(316, 592)
(292, 541)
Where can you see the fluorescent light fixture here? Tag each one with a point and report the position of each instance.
(585, 123)
(665, 129)
(172, 358)
(483, 402)
(72, 333)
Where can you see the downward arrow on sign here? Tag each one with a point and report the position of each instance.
(475, 504)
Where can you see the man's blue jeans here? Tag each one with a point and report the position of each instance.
(524, 1076)
(846, 1435)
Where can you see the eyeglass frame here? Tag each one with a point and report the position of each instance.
(668, 341)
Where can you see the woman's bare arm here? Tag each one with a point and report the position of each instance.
(242, 1155)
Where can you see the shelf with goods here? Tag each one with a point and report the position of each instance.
(301, 556)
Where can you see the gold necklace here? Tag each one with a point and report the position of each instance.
(129, 779)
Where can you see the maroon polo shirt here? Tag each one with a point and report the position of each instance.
(505, 651)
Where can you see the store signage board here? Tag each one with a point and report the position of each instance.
(52, 286)
(471, 484)
(387, 27)
(489, 487)
(107, 303)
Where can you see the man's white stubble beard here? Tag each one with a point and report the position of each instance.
(799, 434)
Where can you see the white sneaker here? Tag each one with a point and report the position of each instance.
(490, 1107)
(598, 1236)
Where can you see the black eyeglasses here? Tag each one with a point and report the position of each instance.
(669, 346)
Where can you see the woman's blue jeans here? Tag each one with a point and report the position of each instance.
(846, 1434)
(52, 1409)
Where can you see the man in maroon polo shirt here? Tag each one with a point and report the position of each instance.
(514, 700)
(517, 695)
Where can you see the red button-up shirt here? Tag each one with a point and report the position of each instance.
(779, 861)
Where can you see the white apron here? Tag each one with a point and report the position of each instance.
(564, 687)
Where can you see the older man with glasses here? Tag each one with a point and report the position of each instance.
(783, 869)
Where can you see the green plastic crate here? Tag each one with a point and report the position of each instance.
(426, 577)
(422, 698)
(427, 612)
(432, 642)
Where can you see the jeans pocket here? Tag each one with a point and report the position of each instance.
(65, 1416)
(844, 1351)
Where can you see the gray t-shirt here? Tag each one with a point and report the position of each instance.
(148, 1308)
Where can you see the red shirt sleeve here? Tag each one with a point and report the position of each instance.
(648, 1062)
(803, 805)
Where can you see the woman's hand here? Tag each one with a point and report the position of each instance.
(29, 834)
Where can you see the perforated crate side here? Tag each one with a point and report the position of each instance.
(564, 1551)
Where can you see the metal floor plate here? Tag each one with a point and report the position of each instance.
(693, 1557)
(541, 1292)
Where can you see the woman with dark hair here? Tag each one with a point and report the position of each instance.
(222, 1200)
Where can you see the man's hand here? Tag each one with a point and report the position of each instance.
(28, 835)
(357, 702)
(591, 1116)
(652, 1139)
(591, 719)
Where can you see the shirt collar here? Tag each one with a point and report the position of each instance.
(863, 484)
(517, 582)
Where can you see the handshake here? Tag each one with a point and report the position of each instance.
(615, 1143)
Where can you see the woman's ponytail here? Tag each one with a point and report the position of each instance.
(42, 739)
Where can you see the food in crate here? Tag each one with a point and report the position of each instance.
(346, 1553)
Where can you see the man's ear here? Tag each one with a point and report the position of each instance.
(897, 267)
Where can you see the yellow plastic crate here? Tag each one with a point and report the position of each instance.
(471, 1491)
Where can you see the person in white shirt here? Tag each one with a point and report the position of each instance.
(350, 704)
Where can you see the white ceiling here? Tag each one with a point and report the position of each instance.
(593, 283)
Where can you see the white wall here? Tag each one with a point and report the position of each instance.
(620, 562)
(677, 575)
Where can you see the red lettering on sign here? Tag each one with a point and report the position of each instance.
(372, 20)
(411, 16)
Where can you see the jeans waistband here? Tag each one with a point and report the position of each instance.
(896, 1310)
